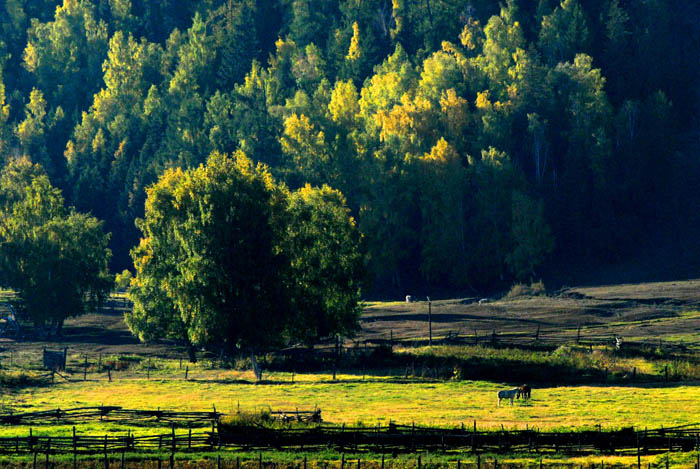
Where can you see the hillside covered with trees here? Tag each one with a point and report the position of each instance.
(472, 142)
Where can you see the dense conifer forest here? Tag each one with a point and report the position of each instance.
(473, 141)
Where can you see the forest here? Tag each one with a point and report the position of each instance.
(473, 141)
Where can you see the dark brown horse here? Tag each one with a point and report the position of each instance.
(524, 391)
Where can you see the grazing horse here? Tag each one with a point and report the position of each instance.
(507, 394)
(524, 391)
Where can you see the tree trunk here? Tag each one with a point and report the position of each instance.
(191, 352)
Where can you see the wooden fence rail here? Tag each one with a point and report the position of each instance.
(112, 414)
(392, 438)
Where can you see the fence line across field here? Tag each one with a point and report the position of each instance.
(391, 438)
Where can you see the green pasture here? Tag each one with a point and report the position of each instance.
(352, 400)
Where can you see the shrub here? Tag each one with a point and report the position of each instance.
(520, 289)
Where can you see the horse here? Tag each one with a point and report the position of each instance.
(525, 391)
(507, 394)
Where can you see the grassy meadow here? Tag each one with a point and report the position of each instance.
(377, 399)
(574, 387)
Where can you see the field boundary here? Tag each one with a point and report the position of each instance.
(392, 438)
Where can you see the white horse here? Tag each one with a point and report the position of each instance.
(507, 394)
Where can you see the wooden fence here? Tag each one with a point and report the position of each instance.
(388, 439)
(111, 414)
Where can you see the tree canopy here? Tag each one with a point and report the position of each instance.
(53, 257)
(230, 260)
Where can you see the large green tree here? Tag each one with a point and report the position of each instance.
(229, 261)
(327, 265)
(54, 258)
(211, 253)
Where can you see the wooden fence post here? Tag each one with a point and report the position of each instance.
(419, 465)
(260, 464)
(48, 451)
(639, 456)
(382, 461)
(478, 461)
(187, 372)
(85, 369)
(105, 451)
(430, 323)
(342, 461)
(75, 450)
(109, 374)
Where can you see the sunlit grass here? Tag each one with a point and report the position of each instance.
(379, 400)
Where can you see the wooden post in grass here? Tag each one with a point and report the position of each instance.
(476, 338)
(109, 374)
(419, 462)
(260, 461)
(123, 451)
(578, 334)
(48, 451)
(342, 461)
(382, 461)
(187, 372)
(99, 362)
(189, 440)
(172, 460)
(639, 455)
(75, 450)
(391, 341)
(85, 369)
(537, 334)
(478, 461)
(430, 322)
(34, 460)
(105, 451)
(666, 372)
